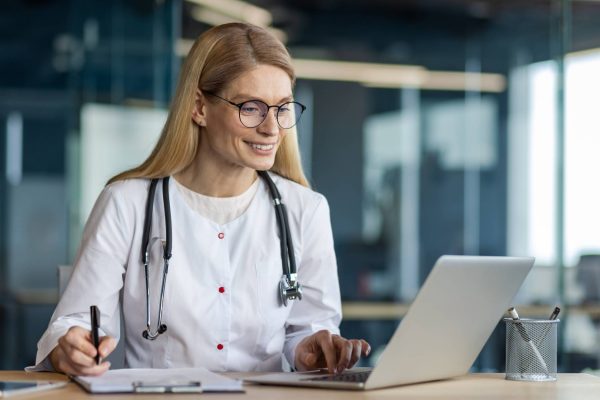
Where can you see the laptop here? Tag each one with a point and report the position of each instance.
(445, 328)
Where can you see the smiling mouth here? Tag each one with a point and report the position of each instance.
(261, 147)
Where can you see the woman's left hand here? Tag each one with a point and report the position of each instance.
(326, 350)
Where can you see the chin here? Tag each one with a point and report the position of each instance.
(261, 165)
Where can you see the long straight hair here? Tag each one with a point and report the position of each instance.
(218, 57)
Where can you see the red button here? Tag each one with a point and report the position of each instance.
(221, 235)
(221, 289)
(219, 346)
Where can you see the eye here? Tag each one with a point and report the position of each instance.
(285, 108)
(251, 108)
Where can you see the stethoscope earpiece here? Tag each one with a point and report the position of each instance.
(161, 329)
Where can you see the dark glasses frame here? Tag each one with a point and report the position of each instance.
(240, 105)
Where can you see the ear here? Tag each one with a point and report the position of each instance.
(199, 110)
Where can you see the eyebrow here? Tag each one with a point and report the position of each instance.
(247, 97)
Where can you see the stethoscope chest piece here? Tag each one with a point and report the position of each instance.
(289, 289)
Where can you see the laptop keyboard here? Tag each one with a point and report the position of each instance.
(356, 377)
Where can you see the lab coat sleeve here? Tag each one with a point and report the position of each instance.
(97, 276)
(320, 307)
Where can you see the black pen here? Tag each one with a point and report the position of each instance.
(554, 314)
(95, 320)
(552, 317)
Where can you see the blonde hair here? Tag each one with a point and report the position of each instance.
(217, 57)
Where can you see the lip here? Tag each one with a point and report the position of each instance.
(263, 149)
(260, 144)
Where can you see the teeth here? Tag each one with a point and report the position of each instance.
(263, 147)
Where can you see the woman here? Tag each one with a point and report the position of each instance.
(232, 117)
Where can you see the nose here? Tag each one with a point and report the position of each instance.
(270, 126)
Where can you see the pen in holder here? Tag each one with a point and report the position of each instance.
(531, 349)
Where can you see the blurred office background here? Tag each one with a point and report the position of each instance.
(433, 127)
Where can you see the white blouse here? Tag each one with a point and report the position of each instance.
(218, 209)
(221, 301)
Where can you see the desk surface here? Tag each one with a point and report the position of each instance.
(488, 386)
(359, 311)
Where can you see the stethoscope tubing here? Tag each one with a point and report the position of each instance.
(167, 246)
(288, 260)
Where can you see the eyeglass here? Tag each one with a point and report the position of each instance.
(254, 112)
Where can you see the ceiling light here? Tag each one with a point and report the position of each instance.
(215, 13)
(210, 17)
(386, 75)
(238, 10)
(397, 76)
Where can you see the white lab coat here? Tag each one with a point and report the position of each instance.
(221, 301)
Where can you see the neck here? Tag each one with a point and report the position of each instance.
(213, 180)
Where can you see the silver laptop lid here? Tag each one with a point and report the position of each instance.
(453, 315)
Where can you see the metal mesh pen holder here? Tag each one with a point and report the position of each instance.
(531, 349)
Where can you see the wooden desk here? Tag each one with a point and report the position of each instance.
(474, 386)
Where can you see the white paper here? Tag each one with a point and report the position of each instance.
(121, 380)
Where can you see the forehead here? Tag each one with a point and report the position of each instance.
(265, 82)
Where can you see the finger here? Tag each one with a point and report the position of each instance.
(78, 359)
(344, 348)
(366, 347)
(95, 370)
(75, 356)
(106, 346)
(80, 339)
(356, 352)
(64, 364)
(325, 341)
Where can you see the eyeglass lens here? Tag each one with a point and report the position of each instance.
(253, 113)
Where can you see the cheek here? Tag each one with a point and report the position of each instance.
(227, 135)
(282, 139)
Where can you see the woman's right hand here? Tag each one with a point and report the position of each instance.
(75, 354)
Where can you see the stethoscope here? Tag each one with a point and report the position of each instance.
(289, 288)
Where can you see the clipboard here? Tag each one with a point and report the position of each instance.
(151, 380)
(167, 387)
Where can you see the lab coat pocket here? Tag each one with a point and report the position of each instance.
(273, 314)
